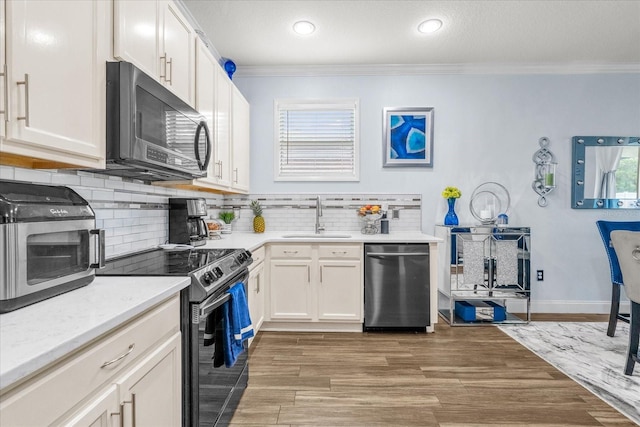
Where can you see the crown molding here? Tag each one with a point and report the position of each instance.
(427, 69)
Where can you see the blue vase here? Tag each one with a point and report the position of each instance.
(230, 68)
(451, 218)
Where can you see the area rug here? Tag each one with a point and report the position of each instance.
(585, 353)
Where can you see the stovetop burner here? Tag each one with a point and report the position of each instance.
(210, 270)
(163, 263)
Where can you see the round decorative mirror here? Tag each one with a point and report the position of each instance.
(489, 200)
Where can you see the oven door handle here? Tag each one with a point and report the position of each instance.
(206, 308)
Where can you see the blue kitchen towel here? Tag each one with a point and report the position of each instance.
(242, 327)
(237, 324)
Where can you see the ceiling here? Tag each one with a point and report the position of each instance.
(258, 33)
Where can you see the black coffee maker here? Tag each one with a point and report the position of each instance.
(186, 223)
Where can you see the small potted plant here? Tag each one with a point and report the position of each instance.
(227, 217)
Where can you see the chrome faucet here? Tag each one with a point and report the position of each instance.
(319, 227)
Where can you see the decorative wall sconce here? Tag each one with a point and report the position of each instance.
(545, 181)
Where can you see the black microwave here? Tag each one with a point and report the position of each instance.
(152, 134)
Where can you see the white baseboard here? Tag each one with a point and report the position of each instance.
(586, 307)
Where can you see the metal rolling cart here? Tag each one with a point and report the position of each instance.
(484, 275)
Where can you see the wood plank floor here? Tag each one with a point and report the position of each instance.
(460, 376)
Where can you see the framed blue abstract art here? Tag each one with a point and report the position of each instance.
(408, 137)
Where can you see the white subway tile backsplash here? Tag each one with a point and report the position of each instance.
(90, 181)
(7, 173)
(65, 179)
(32, 175)
(134, 215)
(102, 195)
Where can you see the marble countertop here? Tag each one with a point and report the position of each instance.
(253, 241)
(37, 335)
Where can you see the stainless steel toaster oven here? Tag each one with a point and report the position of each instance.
(48, 243)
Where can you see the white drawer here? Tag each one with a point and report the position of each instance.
(258, 255)
(49, 395)
(340, 251)
(290, 251)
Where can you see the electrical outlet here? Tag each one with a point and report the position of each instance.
(540, 275)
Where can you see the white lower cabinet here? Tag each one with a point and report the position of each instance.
(339, 290)
(291, 296)
(150, 392)
(315, 283)
(130, 376)
(256, 290)
(99, 412)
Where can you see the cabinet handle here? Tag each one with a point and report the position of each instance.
(290, 252)
(170, 73)
(308, 274)
(119, 414)
(133, 410)
(26, 100)
(339, 252)
(258, 284)
(163, 67)
(122, 356)
(235, 173)
(6, 94)
(321, 274)
(219, 163)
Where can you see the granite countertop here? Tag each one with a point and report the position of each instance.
(253, 241)
(37, 335)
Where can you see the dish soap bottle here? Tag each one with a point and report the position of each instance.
(384, 224)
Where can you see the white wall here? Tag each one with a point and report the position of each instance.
(486, 129)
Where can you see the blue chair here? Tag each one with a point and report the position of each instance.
(627, 247)
(605, 228)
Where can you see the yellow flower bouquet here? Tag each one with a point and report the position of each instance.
(451, 193)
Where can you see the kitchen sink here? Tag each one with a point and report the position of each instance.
(316, 236)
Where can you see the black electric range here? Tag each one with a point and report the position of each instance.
(210, 392)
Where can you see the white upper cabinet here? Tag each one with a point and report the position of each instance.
(4, 101)
(227, 114)
(240, 146)
(177, 49)
(53, 82)
(157, 38)
(223, 128)
(136, 35)
(206, 102)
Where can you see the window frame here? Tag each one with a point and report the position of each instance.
(317, 104)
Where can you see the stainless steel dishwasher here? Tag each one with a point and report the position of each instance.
(396, 286)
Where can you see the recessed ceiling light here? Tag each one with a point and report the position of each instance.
(430, 26)
(304, 27)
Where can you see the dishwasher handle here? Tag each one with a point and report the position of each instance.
(397, 254)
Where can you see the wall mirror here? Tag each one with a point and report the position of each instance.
(606, 172)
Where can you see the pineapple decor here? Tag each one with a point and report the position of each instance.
(258, 220)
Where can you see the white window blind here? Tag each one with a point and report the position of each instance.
(317, 140)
